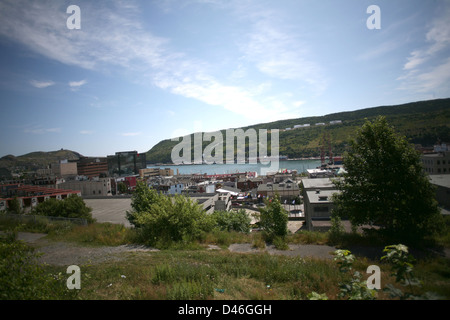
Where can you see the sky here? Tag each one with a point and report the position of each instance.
(124, 75)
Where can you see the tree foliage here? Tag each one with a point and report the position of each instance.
(232, 221)
(162, 220)
(385, 185)
(274, 218)
(71, 207)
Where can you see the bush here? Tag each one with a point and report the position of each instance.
(274, 219)
(232, 221)
(71, 207)
(162, 220)
(22, 278)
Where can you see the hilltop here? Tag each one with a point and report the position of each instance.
(35, 160)
(422, 122)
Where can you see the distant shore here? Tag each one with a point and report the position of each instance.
(199, 164)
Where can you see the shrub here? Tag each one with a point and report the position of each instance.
(22, 278)
(232, 221)
(71, 207)
(162, 220)
(274, 219)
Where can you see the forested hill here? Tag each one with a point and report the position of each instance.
(422, 122)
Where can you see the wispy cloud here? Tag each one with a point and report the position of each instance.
(117, 38)
(41, 130)
(41, 84)
(427, 69)
(86, 132)
(279, 52)
(75, 85)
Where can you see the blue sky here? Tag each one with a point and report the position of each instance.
(137, 72)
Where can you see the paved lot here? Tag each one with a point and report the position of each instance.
(110, 210)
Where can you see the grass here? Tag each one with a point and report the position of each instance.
(192, 272)
(199, 275)
(206, 275)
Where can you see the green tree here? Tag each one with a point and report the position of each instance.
(274, 218)
(162, 220)
(385, 185)
(122, 187)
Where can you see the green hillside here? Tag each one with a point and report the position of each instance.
(423, 122)
(36, 160)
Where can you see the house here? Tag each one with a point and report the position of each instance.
(318, 205)
(317, 197)
(249, 183)
(287, 190)
(442, 184)
(436, 163)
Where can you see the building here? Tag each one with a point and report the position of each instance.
(168, 187)
(213, 201)
(155, 172)
(100, 187)
(64, 169)
(319, 173)
(318, 205)
(442, 184)
(126, 163)
(249, 184)
(436, 163)
(287, 190)
(317, 197)
(92, 167)
(29, 196)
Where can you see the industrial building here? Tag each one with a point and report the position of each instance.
(100, 187)
(29, 196)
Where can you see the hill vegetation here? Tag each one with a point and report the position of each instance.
(423, 122)
(34, 160)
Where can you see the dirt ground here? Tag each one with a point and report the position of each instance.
(65, 253)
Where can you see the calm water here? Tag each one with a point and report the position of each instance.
(299, 165)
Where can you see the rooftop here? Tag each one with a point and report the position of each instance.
(324, 196)
(442, 180)
(318, 183)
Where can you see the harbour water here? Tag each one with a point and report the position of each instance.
(211, 169)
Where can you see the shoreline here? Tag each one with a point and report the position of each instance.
(202, 164)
